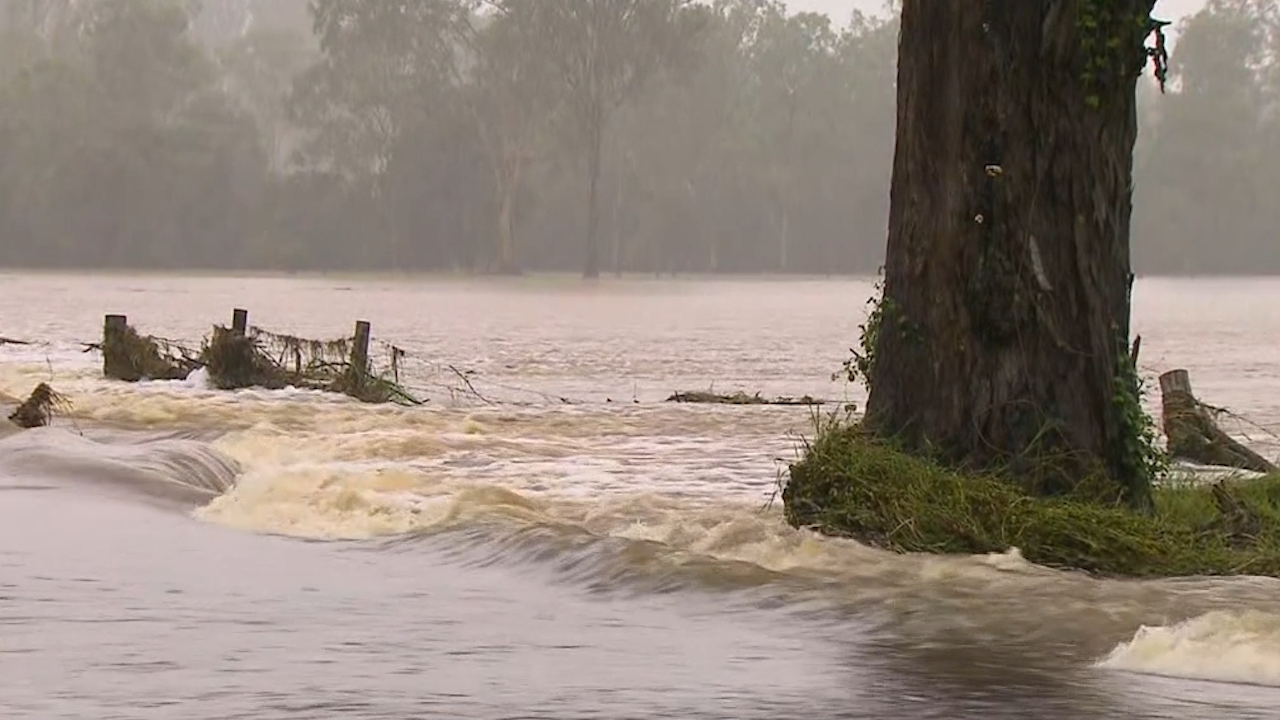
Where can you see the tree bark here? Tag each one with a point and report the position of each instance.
(1007, 276)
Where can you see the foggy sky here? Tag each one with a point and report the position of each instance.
(217, 150)
(840, 9)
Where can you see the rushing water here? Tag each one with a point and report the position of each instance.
(572, 548)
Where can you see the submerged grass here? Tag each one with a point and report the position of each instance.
(850, 484)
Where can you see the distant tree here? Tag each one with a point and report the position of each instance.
(388, 67)
(1210, 159)
(606, 52)
(795, 52)
(514, 98)
(122, 149)
(257, 70)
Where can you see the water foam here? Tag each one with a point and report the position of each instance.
(293, 486)
(169, 470)
(670, 485)
(1221, 646)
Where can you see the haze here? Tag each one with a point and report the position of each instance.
(840, 9)
(135, 134)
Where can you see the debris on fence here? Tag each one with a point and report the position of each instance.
(132, 357)
(241, 356)
(260, 358)
(38, 409)
(739, 398)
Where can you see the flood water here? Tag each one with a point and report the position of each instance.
(553, 541)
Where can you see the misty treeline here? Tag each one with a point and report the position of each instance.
(507, 135)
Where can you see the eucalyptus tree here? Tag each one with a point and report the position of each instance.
(1003, 333)
(1210, 158)
(605, 51)
(388, 69)
(514, 98)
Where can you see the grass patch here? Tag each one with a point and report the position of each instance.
(850, 484)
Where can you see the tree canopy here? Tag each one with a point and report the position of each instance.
(731, 136)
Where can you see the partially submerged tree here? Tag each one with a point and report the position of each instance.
(514, 98)
(606, 51)
(1003, 334)
(388, 68)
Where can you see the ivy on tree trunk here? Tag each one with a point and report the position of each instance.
(1008, 269)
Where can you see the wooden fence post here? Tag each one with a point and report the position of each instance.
(360, 348)
(239, 321)
(113, 332)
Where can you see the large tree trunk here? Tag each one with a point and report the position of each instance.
(1007, 274)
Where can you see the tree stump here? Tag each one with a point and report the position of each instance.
(1192, 434)
(116, 362)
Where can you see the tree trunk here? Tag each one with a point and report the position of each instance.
(1192, 434)
(591, 257)
(1006, 314)
(617, 212)
(508, 181)
(506, 233)
(784, 238)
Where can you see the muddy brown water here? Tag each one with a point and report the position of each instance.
(169, 551)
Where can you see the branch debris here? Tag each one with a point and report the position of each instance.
(38, 409)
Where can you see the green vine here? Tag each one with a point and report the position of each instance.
(1142, 460)
(1113, 47)
(861, 361)
(884, 312)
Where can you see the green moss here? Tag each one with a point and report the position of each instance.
(850, 484)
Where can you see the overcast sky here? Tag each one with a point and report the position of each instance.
(840, 10)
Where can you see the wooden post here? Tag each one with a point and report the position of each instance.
(1175, 381)
(239, 321)
(113, 331)
(360, 348)
(113, 326)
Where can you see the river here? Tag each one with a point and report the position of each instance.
(563, 544)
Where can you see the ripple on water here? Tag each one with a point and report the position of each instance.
(473, 533)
